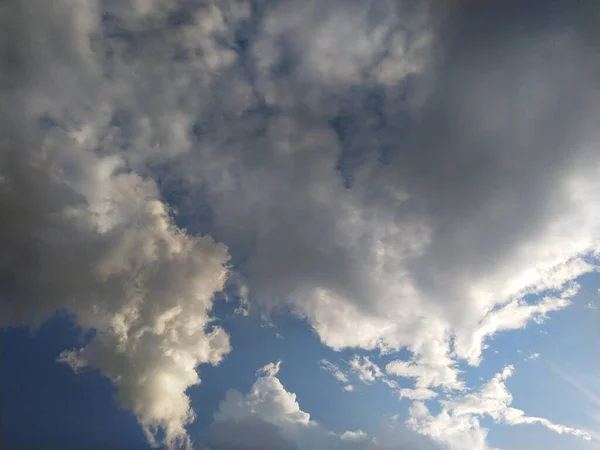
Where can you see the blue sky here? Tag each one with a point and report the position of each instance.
(343, 224)
(32, 377)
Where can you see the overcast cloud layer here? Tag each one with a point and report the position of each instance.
(401, 174)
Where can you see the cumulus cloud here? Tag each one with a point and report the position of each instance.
(457, 425)
(269, 417)
(371, 167)
(83, 233)
(410, 214)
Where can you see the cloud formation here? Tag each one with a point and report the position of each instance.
(337, 373)
(405, 214)
(269, 417)
(84, 234)
(370, 166)
(457, 425)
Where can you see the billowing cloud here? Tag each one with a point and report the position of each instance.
(416, 213)
(269, 417)
(82, 233)
(457, 425)
(372, 167)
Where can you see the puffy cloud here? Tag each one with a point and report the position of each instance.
(433, 367)
(83, 233)
(417, 192)
(470, 216)
(269, 417)
(267, 399)
(457, 424)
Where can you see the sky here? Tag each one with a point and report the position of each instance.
(299, 225)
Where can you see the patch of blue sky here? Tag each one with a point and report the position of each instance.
(568, 340)
(46, 405)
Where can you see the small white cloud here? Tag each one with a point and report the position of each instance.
(334, 370)
(267, 399)
(355, 436)
(367, 371)
(417, 394)
(270, 370)
(592, 305)
(337, 373)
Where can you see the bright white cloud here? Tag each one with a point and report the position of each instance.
(268, 399)
(269, 417)
(366, 370)
(417, 394)
(457, 424)
(356, 436)
(431, 367)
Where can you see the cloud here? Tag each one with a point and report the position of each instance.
(81, 232)
(267, 399)
(337, 373)
(432, 368)
(356, 436)
(417, 394)
(371, 167)
(366, 370)
(269, 417)
(414, 213)
(457, 424)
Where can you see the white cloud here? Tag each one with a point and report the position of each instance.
(107, 252)
(457, 424)
(532, 357)
(81, 232)
(269, 417)
(357, 436)
(271, 369)
(337, 374)
(240, 112)
(431, 367)
(417, 394)
(367, 371)
(267, 399)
